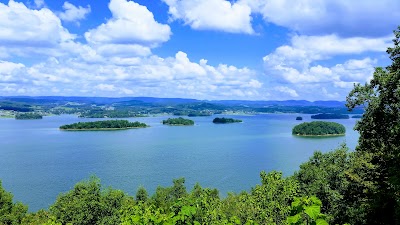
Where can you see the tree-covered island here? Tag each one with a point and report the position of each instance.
(319, 128)
(28, 116)
(104, 125)
(226, 120)
(178, 122)
(329, 116)
(299, 118)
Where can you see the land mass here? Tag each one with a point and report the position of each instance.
(319, 128)
(226, 120)
(330, 116)
(28, 116)
(178, 122)
(104, 125)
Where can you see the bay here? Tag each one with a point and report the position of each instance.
(38, 161)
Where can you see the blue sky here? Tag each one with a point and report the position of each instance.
(203, 49)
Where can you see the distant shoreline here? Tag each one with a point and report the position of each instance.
(324, 135)
(105, 129)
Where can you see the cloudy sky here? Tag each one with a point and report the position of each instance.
(203, 49)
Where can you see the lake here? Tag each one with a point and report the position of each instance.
(38, 161)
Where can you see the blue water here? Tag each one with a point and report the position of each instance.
(38, 161)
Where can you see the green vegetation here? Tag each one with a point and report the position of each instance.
(109, 114)
(104, 125)
(226, 120)
(28, 116)
(299, 118)
(329, 116)
(319, 128)
(178, 122)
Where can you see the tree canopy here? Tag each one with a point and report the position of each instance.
(318, 128)
(104, 124)
(178, 121)
(226, 120)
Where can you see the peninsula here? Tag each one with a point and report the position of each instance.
(330, 116)
(104, 125)
(319, 128)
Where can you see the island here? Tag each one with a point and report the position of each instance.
(226, 120)
(104, 125)
(299, 118)
(28, 116)
(357, 116)
(178, 122)
(330, 116)
(319, 128)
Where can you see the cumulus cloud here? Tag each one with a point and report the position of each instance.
(73, 13)
(131, 23)
(39, 3)
(286, 91)
(343, 17)
(219, 15)
(21, 26)
(142, 76)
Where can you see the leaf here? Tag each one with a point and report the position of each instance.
(313, 211)
(293, 219)
(321, 222)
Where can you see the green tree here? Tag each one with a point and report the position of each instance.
(379, 145)
(10, 213)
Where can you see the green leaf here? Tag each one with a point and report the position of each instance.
(293, 219)
(313, 211)
(321, 222)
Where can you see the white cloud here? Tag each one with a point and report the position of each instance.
(39, 3)
(286, 91)
(212, 15)
(346, 18)
(141, 76)
(131, 23)
(73, 13)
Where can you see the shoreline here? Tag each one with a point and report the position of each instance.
(102, 129)
(324, 135)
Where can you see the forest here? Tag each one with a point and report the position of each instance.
(178, 122)
(226, 120)
(330, 116)
(337, 187)
(28, 116)
(104, 124)
(318, 128)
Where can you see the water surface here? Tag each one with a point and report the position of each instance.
(38, 161)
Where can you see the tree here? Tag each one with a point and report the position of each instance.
(379, 145)
(10, 213)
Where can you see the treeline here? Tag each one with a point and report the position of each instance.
(226, 120)
(105, 124)
(109, 114)
(330, 116)
(319, 128)
(28, 116)
(178, 121)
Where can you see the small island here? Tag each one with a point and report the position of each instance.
(330, 116)
(319, 128)
(299, 118)
(357, 116)
(226, 120)
(28, 116)
(178, 122)
(104, 125)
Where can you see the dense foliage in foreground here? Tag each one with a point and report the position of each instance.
(319, 128)
(178, 121)
(226, 120)
(28, 116)
(105, 124)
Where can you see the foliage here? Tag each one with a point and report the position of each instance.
(377, 178)
(28, 116)
(226, 120)
(178, 121)
(319, 128)
(10, 213)
(330, 116)
(306, 210)
(105, 124)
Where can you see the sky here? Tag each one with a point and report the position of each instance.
(202, 49)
